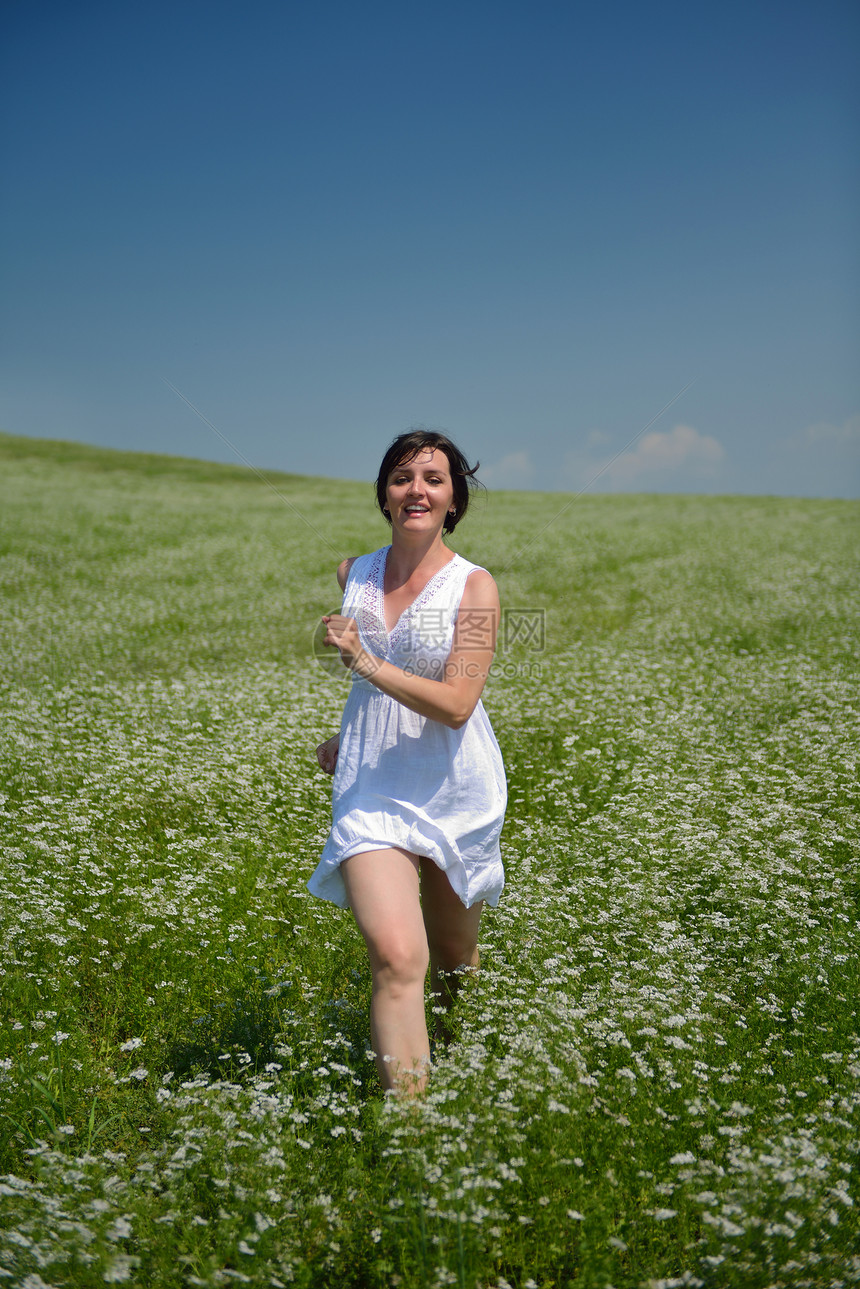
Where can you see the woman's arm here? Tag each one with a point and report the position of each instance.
(327, 752)
(452, 699)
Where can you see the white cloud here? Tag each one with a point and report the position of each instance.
(832, 438)
(661, 455)
(821, 460)
(516, 470)
(680, 458)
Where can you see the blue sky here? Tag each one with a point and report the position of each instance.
(529, 224)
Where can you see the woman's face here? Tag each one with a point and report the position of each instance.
(420, 492)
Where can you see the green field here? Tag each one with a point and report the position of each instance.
(655, 1081)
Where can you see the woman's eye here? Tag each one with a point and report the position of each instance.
(401, 478)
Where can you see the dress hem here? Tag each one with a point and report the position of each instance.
(326, 883)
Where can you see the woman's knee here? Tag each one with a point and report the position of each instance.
(399, 961)
(452, 952)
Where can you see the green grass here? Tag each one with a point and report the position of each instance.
(655, 1080)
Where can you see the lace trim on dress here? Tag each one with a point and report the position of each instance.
(371, 619)
(437, 581)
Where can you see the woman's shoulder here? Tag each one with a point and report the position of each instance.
(475, 573)
(343, 570)
(356, 566)
(478, 586)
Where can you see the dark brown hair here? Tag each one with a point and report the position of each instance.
(405, 448)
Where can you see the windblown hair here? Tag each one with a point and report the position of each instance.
(405, 448)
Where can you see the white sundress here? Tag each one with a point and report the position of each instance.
(405, 780)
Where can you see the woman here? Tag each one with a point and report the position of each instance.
(419, 789)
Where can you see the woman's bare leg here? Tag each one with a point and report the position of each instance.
(383, 891)
(452, 936)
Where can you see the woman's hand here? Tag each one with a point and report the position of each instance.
(327, 754)
(343, 634)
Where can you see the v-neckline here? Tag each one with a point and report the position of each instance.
(412, 603)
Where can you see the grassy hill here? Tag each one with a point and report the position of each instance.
(154, 533)
(655, 1080)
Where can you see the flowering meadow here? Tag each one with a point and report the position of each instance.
(654, 1081)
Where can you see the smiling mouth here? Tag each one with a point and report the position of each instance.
(417, 510)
